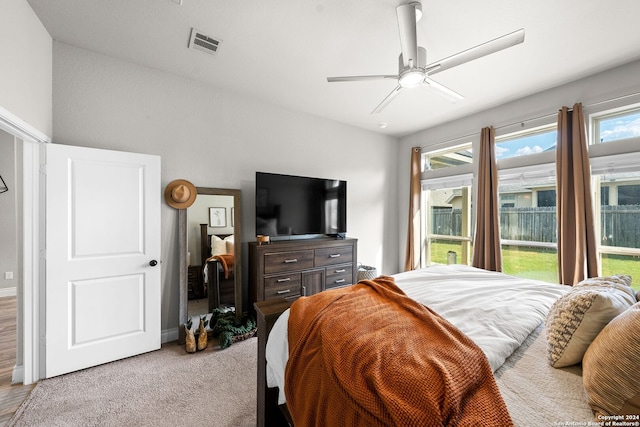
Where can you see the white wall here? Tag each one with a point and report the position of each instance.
(612, 84)
(214, 138)
(25, 68)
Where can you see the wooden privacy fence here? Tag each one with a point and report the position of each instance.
(620, 225)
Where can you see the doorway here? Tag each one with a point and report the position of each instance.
(10, 279)
(9, 268)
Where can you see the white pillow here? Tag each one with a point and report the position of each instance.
(218, 246)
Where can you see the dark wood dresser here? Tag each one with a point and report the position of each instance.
(293, 268)
(195, 282)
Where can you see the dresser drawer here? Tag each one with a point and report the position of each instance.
(285, 285)
(338, 276)
(277, 262)
(334, 255)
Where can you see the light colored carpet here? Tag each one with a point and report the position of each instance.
(167, 387)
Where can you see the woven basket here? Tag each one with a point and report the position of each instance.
(366, 272)
(244, 336)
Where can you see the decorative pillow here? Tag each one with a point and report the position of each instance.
(229, 247)
(577, 317)
(218, 246)
(611, 367)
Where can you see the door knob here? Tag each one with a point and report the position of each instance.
(153, 263)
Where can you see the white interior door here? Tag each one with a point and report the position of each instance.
(102, 286)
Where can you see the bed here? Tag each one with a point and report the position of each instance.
(217, 251)
(503, 315)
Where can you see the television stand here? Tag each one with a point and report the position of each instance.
(293, 268)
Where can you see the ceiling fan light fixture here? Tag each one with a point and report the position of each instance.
(411, 78)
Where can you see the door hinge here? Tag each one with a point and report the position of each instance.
(43, 168)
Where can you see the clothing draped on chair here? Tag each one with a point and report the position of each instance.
(412, 258)
(577, 258)
(486, 243)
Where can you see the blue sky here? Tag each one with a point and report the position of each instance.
(527, 145)
(610, 130)
(620, 127)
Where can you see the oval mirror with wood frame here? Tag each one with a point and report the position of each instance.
(210, 244)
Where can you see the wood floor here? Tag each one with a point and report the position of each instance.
(11, 396)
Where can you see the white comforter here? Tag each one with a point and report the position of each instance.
(495, 310)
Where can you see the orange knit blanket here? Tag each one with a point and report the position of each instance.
(227, 261)
(368, 355)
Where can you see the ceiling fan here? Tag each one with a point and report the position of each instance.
(413, 68)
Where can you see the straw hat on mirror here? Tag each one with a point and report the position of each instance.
(180, 194)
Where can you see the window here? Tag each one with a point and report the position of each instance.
(618, 224)
(528, 228)
(615, 164)
(446, 200)
(448, 237)
(525, 143)
(456, 156)
(617, 126)
(547, 197)
(527, 193)
(604, 195)
(527, 197)
(629, 194)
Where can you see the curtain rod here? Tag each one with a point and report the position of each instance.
(593, 104)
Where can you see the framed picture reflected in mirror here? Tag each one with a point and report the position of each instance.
(217, 217)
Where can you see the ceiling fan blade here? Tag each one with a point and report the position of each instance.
(387, 100)
(476, 52)
(360, 78)
(450, 94)
(408, 38)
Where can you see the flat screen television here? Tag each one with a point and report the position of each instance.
(289, 205)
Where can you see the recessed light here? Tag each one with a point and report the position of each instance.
(382, 125)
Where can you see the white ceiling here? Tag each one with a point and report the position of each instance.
(281, 51)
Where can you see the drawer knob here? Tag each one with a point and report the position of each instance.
(286, 279)
(340, 281)
(285, 291)
(342, 270)
(289, 261)
(334, 255)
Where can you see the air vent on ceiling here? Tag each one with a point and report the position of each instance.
(203, 43)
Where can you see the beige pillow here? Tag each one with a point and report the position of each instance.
(577, 317)
(229, 247)
(611, 366)
(218, 246)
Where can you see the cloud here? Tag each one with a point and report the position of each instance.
(501, 151)
(529, 150)
(622, 129)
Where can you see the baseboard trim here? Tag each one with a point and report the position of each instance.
(17, 377)
(169, 335)
(7, 292)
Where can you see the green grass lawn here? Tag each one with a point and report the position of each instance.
(541, 263)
